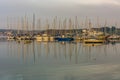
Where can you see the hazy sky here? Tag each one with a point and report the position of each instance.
(107, 9)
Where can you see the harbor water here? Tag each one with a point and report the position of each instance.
(59, 61)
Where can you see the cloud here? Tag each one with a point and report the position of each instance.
(54, 3)
(107, 9)
(58, 7)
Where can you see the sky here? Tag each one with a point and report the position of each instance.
(105, 9)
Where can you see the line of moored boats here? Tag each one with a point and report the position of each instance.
(87, 36)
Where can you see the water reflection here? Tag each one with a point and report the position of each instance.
(62, 52)
(59, 61)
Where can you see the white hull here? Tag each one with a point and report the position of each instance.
(51, 38)
(39, 38)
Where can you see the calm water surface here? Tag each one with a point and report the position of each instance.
(58, 61)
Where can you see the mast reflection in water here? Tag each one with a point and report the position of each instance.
(58, 61)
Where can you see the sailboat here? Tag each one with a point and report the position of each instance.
(114, 37)
(66, 36)
(26, 37)
(18, 35)
(93, 36)
(77, 34)
(93, 40)
(45, 36)
(51, 37)
(38, 37)
(10, 35)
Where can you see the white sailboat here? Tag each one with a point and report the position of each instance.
(38, 37)
(10, 35)
(93, 36)
(45, 36)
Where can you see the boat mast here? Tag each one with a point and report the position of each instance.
(86, 22)
(22, 23)
(25, 24)
(47, 26)
(59, 27)
(115, 28)
(33, 25)
(90, 25)
(39, 24)
(98, 25)
(76, 24)
(54, 25)
(8, 26)
(105, 27)
(8, 23)
(18, 26)
(70, 25)
(64, 24)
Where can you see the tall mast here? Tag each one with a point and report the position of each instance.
(90, 25)
(39, 24)
(54, 24)
(22, 23)
(115, 27)
(47, 26)
(18, 26)
(98, 25)
(70, 25)
(86, 22)
(8, 23)
(82, 24)
(76, 24)
(33, 26)
(25, 24)
(64, 24)
(105, 26)
(59, 26)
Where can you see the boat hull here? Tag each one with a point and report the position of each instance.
(94, 41)
(64, 39)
